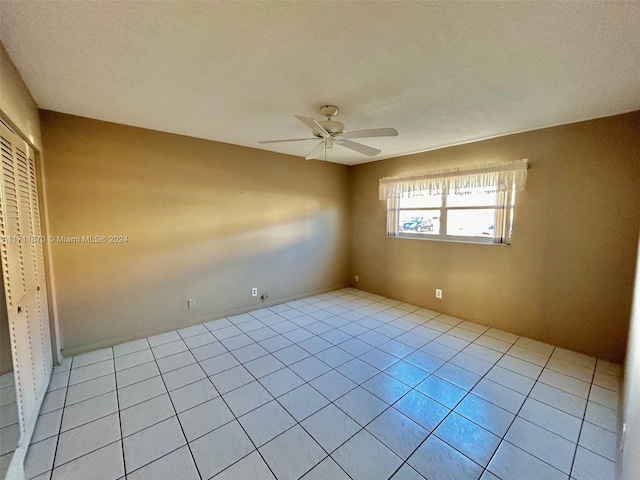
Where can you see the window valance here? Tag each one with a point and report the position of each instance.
(502, 176)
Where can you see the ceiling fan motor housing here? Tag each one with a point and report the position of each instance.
(331, 126)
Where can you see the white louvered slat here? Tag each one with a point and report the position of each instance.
(7, 157)
(13, 269)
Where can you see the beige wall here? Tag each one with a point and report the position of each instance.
(205, 220)
(567, 278)
(16, 104)
(629, 461)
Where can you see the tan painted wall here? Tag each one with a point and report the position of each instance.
(629, 461)
(567, 278)
(205, 220)
(16, 103)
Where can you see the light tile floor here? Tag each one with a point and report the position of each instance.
(9, 428)
(341, 385)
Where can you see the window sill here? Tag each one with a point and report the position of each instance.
(447, 240)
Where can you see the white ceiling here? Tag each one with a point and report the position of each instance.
(441, 73)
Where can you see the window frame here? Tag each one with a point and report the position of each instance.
(504, 203)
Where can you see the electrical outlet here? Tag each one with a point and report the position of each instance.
(190, 304)
(438, 293)
(357, 279)
(254, 292)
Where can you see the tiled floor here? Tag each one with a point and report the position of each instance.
(9, 428)
(342, 385)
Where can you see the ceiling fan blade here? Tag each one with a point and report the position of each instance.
(313, 125)
(358, 147)
(318, 152)
(373, 132)
(288, 140)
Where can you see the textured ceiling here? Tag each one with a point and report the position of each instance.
(441, 73)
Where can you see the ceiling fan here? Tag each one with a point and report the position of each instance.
(331, 132)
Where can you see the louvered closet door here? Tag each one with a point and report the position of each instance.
(40, 305)
(23, 275)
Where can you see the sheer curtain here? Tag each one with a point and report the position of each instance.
(506, 178)
(503, 176)
(392, 216)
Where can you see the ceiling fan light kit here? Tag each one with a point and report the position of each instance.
(332, 132)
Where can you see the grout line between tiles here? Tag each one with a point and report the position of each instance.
(432, 432)
(305, 382)
(298, 423)
(55, 454)
(179, 423)
(115, 377)
(584, 413)
(514, 419)
(235, 418)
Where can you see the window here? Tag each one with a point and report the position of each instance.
(464, 205)
(465, 216)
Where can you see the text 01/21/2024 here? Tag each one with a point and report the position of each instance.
(66, 239)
